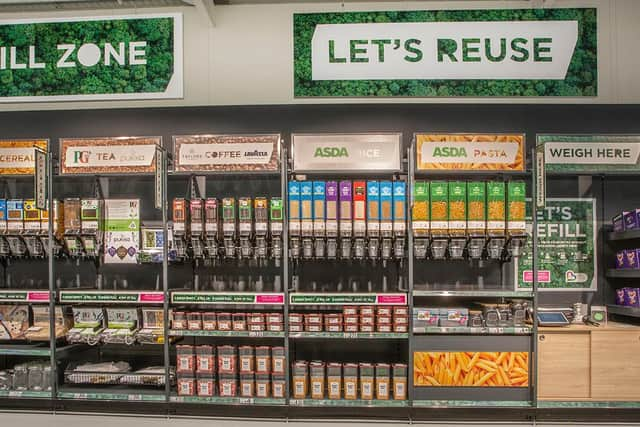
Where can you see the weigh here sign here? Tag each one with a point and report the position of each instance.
(496, 52)
(566, 247)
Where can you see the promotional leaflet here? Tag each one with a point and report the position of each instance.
(447, 53)
(108, 155)
(18, 157)
(470, 152)
(567, 259)
(122, 235)
(226, 153)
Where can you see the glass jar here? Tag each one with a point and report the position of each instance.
(475, 319)
(35, 378)
(20, 378)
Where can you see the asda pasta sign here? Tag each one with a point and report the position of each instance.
(510, 52)
(91, 58)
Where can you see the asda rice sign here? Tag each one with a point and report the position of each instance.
(528, 52)
(91, 58)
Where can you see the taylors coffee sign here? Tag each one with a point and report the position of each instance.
(433, 53)
(91, 58)
(17, 157)
(591, 153)
(346, 152)
(108, 155)
(226, 153)
(471, 152)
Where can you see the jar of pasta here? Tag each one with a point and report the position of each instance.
(496, 209)
(439, 208)
(516, 193)
(457, 208)
(476, 208)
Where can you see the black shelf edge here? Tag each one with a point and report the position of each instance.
(624, 235)
(623, 274)
(623, 311)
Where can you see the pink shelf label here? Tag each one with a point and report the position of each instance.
(38, 296)
(398, 299)
(544, 276)
(151, 297)
(270, 299)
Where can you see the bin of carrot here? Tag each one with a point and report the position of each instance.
(471, 369)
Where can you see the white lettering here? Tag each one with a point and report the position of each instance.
(111, 52)
(13, 60)
(137, 51)
(62, 62)
(32, 59)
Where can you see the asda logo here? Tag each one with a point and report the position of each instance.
(449, 152)
(331, 152)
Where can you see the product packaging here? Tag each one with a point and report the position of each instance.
(306, 208)
(205, 359)
(386, 208)
(247, 385)
(632, 297)
(420, 212)
(196, 209)
(632, 258)
(263, 360)
(122, 225)
(206, 384)
(350, 380)
(399, 381)
(276, 216)
(618, 222)
(346, 204)
(367, 381)
(319, 211)
(453, 317)
(300, 379)
(476, 208)
(373, 208)
(439, 208)
(3, 216)
(331, 194)
(317, 370)
(620, 296)
(227, 359)
(245, 216)
(516, 194)
(294, 208)
(399, 208)
(212, 225)
(228, 385)
(496, 209)
(359, 208)
(631, 219)
(31, 217)
(14, 321)
(261, 216)
(186, 359)
(15, 215)
(278, 387)
(457, 208)
(426, 317)
(247, 359)
(263, 385)
(334, 381)
(180, 208)
(383, 381)
(620, 259)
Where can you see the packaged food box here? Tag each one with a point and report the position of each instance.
(383, 381)
(439, 208)
(457, 208)
(420, 211)
(346, 208)
(399, 381)
(334, 380)
(31, 216)
(476, 208)
(186, 359)
(631, 219)
(317, 376)
(359, 208)
(620, 296)
(632, 297)
(276, 216)
(620, 259)
(632, 260)
(247, 385)
(300, 379)
(180, 208)
(278, 360)
(367, 381)
(618, 222)
(496, 212)
(205, 359)
(452, 317)
(206, 385)
(425, 317)
(263, 385)
(278, 386)
(385, 327)
(384, 320)
(228, 385)
(384, 311)
(306, 208)
(246, 356)
(186, 384)
(516, 194)
(211, 216)
(350, 380)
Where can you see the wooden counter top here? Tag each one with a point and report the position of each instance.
(609, 326)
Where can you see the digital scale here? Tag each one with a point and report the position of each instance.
(552, 318)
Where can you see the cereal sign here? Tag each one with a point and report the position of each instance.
(17, 157)
(470, 152)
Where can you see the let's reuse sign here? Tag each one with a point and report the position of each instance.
(493, 52)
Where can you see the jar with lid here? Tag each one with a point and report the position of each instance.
(491, 317)
(47, 378)
(504, 315)
(35, 378)
(475, 319)
(20, 378)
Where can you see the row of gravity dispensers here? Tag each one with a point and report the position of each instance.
(326, 220)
